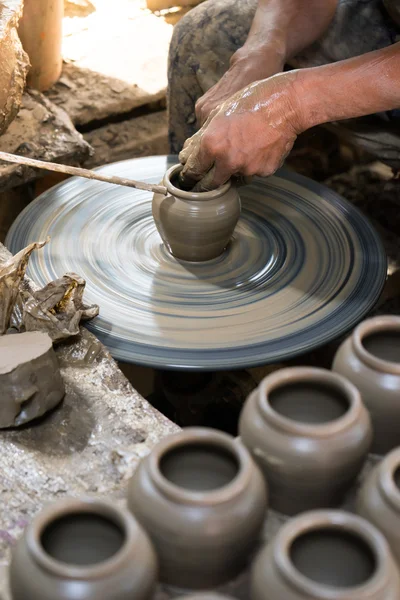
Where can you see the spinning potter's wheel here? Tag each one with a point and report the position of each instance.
(304, 267)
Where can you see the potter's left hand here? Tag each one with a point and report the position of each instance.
(251, 133)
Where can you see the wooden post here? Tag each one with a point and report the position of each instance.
(40, 31)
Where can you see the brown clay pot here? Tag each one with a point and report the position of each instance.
(378, 499)
(202, 500)
(370, 359)
(40, 31)
(87, 549)
(296, 425)
(326, 555)
(195, 226)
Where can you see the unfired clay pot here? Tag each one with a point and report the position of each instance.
(86, 549)
(326, 555)
(310, 433)
(378, 499)
(370, 358)
(202, 500)
(195, 226)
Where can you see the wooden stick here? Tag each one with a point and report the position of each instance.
(78, 172)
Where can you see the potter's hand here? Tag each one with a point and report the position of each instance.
(249, 134)
(246, 66)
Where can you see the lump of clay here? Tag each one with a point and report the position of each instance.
(30, 380)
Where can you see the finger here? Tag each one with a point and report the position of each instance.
(220, 174)
(188, 148)
(198, 163)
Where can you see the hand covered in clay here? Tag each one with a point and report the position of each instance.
(245, 68)
(251, 133)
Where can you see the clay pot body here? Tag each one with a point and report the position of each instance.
(378, 500)
(370, 359)
(202, 500)
(40, 31)
(326, 555)
(86, 549)
(310, 434)
(195, 226)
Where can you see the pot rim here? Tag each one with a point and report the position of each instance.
(208, 437)
(182, 194)
(375, 325)
(91, 506)
(386, 471)
(339, 520)
(312, 375)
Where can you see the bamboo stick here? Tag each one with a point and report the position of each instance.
(78, 172)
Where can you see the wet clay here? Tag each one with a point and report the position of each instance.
(333, 558)
(199, 468)
(308, 402)
(85, 548)
(326, 554)
(82, 539)
(296, 425)
(30, 379)
(195, 226)
(370, 359)
(202, 500)
(384, 345)
(378, 499)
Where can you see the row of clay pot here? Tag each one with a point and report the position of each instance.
(199, 501)
(198, 504)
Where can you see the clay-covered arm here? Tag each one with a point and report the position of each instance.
(280, 30)
(351, 88)
(252, 132)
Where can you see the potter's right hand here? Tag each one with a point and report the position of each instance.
(251, 133)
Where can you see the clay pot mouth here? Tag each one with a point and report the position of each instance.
(285, 397)
(170, 178)
(375, 342)
(389, 478)
(200, 466)
(304, 554)
(81, 539)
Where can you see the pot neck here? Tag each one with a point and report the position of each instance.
(302, 375)
(313, 521)
(369, 327)
(89, 506)
(386, 472)
(174, 171)
(206, 438)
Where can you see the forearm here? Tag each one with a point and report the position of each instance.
(289, 26)
(348, 89)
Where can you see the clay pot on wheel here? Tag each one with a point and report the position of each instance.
(370, 359)
(202, 500)
(296, 424)
(378, 499)
(86, 549)
(329, 555)
(195, 226)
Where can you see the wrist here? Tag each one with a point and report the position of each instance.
(309, 105)
(261, 55)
